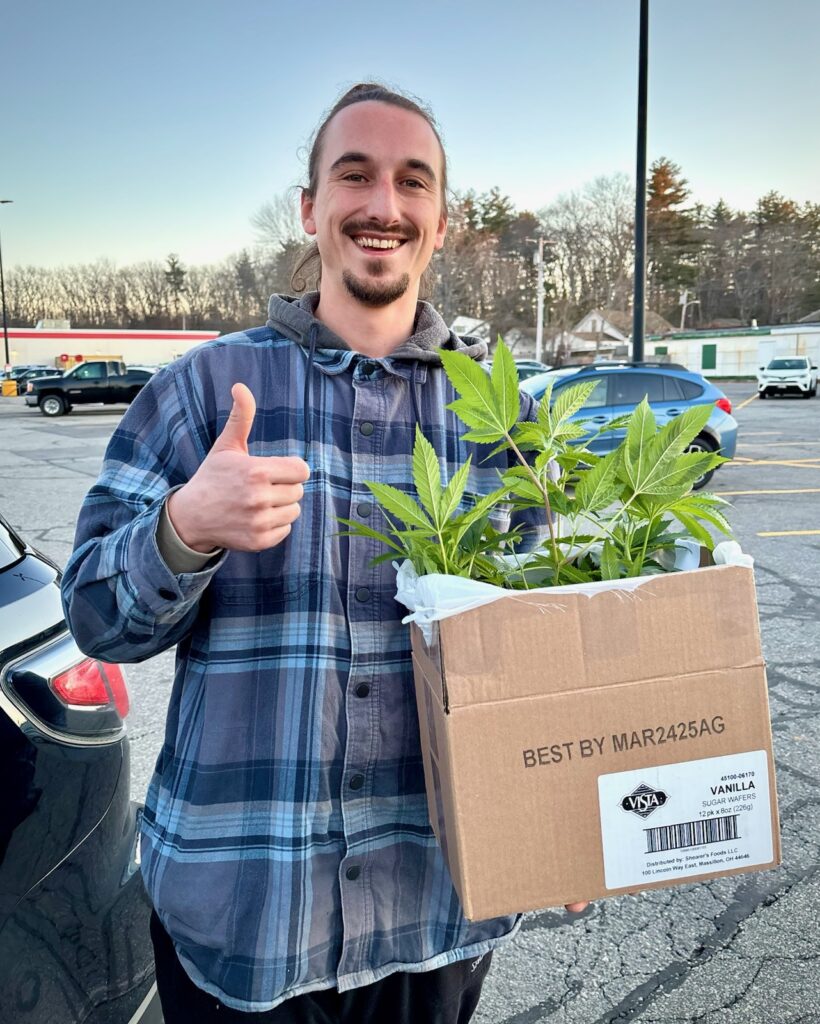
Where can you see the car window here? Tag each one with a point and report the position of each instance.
(595, 400)
(91, 371)
(630, 388)
(115, 369)
(675, 389)
(788, 364)
(690, 389)
(672, 390)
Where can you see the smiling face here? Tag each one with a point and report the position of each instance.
(377, 211)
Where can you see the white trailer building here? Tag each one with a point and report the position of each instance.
(737, 352)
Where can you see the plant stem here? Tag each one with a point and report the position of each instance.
(605, 531)
(543, 490)
(443, 553)
(646, 540)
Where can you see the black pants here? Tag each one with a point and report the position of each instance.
(448, 995)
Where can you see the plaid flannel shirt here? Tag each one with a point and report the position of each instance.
(286, 843)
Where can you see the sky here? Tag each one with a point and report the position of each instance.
(130, 131)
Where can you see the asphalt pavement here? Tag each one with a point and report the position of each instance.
(741, 950)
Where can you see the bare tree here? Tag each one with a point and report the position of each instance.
(591, 232)
(277, 222)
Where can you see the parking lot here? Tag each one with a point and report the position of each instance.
(736, 951)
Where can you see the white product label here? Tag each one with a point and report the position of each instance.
(685, 819)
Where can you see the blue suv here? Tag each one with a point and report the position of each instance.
(620, 387)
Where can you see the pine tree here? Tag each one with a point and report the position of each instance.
(671, 239)
(175, 277)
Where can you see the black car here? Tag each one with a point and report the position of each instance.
(74, 939)
(35, 373)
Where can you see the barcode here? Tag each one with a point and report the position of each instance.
(691, 833)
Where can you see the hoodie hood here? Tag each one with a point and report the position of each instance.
(294, 318)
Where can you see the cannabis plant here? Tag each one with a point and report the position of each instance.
(607, 517)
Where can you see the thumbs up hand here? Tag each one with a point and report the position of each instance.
(235, 433)
(235, 500)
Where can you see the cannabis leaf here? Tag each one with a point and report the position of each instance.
(427, 475)
(608, 516)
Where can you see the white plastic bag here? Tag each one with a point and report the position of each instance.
(435, 596)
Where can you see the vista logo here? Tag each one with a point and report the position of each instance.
(644, 800)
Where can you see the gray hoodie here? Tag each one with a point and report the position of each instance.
(295, 317)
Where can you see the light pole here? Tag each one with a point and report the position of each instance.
(3, 295)
(638, 318)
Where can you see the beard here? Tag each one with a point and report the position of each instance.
(373, 292)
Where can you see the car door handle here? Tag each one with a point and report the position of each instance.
(600, 419)
(673, 412)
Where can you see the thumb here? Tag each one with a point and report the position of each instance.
(235, 433)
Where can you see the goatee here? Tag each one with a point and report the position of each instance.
(375, 293)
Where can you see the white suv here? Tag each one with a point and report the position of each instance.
(795, 373)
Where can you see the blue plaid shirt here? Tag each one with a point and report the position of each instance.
(286, 842)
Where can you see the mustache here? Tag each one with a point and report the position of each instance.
(360, 227)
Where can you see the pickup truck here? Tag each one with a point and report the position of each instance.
(94, 381)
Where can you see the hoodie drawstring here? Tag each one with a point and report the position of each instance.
(414, 394)
(306, 410)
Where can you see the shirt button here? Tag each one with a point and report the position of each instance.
(353, 873)
(362, 594)
(362, 690)
(367, 428)
(368, 368)
(166, 595)
(356, 781)
(364, 508)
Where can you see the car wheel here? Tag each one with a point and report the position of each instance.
(52, 405)
(702, 444)
(761, 395)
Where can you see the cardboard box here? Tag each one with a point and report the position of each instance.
(577, 747)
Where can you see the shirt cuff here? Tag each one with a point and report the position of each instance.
(174, 551)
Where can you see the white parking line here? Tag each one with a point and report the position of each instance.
(789, 533)
(795, 490)
(813, 463)
(776, 444)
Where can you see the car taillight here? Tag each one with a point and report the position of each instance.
(73, 696)
(92, 683)
(724, 404)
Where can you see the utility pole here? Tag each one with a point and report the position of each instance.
(3, 296)
(540, 293)
(639, 298)
(685, 303)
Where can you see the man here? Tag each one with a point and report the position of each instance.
(286, 843)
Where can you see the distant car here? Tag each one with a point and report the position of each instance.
(16, 373)
(781, 376)
(19, 368)
(74, 936)
(529, 367)
(38, 373)
(620, 387)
